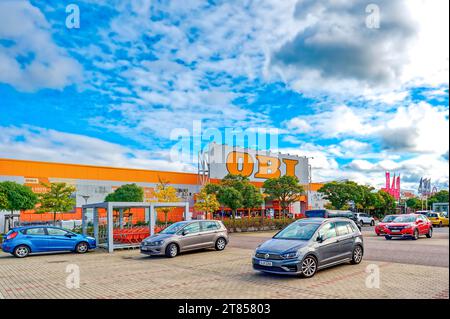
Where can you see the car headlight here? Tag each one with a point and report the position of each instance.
(158, 243)
(290, 255)
(408, 226)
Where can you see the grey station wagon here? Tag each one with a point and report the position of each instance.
(185, 236)
(310, 244)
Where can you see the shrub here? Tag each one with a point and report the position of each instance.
(256, 223)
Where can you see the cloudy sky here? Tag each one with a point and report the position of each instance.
(359, 99)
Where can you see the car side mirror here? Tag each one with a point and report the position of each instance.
(185, 232)
(419, 221)
(319, 239)
(68, 235)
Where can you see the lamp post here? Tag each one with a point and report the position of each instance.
(85, 197)
(309, 182)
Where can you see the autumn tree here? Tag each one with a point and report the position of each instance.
(165, 194)
(206, 202)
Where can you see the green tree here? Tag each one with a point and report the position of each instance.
(439, 197)
(18, 197)
(414, 203)
(386, 204)
(251, 197)
(339, 194)
(126, 193)
(286, 190)
(231, 198)
(58, 199)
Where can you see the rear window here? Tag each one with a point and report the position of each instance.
(432, 215)
(35, 231)
(316, 213)
(210, 225)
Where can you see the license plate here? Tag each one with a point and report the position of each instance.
(144, 248)
(395, 231)
(265, 263)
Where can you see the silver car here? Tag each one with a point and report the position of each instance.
(310, 244)
(184, 236)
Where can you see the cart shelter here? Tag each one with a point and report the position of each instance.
(90, 213)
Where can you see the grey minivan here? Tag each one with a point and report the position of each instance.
(310, 244)
(185, 236)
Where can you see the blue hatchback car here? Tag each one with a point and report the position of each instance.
(22, 241)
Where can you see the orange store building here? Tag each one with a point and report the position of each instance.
(95, 182)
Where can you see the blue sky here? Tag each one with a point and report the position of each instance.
(116, 90)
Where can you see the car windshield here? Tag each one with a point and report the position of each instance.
(388, 219)
(172, 229)
(298, 231)
(432, 215)
(404, 219)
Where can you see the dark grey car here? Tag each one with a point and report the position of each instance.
(310, 244)
(185, 236)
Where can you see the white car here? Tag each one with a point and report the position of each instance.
(365, 219)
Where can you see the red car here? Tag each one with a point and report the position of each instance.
(408, 226)
(379, 228)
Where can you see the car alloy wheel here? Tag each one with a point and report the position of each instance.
(82, 248)
(357, 255)
(172, 250)
(372, 223)
(430, 233)
(21, 251)
(309, 266)
(416, 234)
(220, 244)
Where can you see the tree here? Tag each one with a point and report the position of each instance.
(285, 189)
(439, 197)
(3, 200)
(18, 197)
(165, 194)
(414, 203)
(386, 204)
(340, 194)
(231, 198)
(251, 197)
(206, 202)
(126, 193)
(57, 199)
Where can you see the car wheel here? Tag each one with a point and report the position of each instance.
(357, 255)
(430, 233)
(82, 247)
(308, 267)
(416, 234)
(388, 237)
(171, 250)
(372, 223)
(21, 251)
(220, 244)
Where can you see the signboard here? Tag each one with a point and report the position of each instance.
(256, 165)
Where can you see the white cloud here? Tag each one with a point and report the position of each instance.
(34, 143)
(31, 60)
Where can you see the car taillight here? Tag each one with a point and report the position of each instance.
(12, 235)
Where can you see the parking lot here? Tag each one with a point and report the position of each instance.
(407, 269)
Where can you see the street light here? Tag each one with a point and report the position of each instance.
(309, 181)
(85, 197)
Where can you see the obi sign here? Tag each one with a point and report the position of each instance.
(256, 165)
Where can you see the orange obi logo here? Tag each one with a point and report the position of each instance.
(260, 166)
